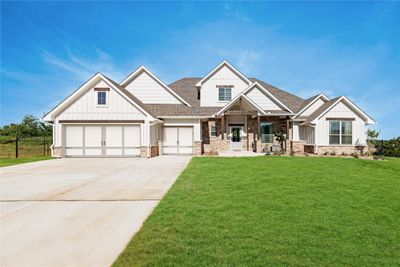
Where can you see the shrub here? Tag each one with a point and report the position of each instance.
(344, 154)
(326, 153)
(333, 153)
(355, 155)
(292, 152)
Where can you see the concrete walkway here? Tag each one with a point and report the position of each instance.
(78, 212)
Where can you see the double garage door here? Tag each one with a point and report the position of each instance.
(178, 140)
(102, 140)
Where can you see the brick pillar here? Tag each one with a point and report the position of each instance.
(143, 151)
(197, 148)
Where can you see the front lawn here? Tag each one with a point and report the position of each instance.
(14, 161)
(275, 211)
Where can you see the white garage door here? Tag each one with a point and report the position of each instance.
(178, 140)
(102, 140)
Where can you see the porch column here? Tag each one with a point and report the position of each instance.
(223, 127)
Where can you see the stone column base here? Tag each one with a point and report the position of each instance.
(198, 148)
(143, 151)
(56, 152)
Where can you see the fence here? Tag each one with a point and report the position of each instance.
(25, 147)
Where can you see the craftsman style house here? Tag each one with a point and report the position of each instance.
(223, 111)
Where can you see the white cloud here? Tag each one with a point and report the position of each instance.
(82, 68)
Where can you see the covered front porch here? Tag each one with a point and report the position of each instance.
(243, 127)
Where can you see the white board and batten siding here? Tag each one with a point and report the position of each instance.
(149, 91)
(86, 108)
(224, 76)
(340, 110)
(262, 100)
(307, 134)
(312, 108)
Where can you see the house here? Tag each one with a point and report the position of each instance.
(223, 111)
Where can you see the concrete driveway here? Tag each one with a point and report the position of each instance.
(78, 212)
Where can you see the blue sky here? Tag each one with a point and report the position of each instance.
(48, 49)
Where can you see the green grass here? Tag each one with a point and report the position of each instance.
(9, 161)
(275, 211)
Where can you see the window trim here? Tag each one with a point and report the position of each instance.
(105, 98)
(225, 88)
(340, 134)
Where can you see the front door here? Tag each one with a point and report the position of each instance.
(236, 138)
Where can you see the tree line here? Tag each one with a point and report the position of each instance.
(30, 126)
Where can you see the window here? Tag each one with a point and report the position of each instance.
(340, 133)
(101, 98)
(224, 93)
(266, 132)
(213, 131)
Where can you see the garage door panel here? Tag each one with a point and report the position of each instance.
(102, 140)
(74, 136)
(185, 150)
(132, 151)
(170, 136)
(93, 151)
(132, 136)
(93, 136)
(185, 136)
(178, 140)
(74, 151)
(113, 136)
(114, 152)
(170, 150)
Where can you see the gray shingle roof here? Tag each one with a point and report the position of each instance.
(186, 88)
(290, 100)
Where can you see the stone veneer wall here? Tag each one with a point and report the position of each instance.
(155, 151)
(57, 152)
(297, 147)
(143, 151)
(198, 150)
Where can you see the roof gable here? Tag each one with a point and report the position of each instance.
(88, 85)
(310, 104)
(263, 98)
(218, 68)
(329, 105)
(239, 98)
(150, 89)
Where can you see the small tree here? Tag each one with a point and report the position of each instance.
(372, 135)
(280, 135)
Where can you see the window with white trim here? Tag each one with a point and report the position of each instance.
(102, 98)
(224, 93)
(340, 132)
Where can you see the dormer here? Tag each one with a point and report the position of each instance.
(149, 89)
(221, 85)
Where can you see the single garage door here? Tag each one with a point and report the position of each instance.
(178, 140)
(102, 140)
